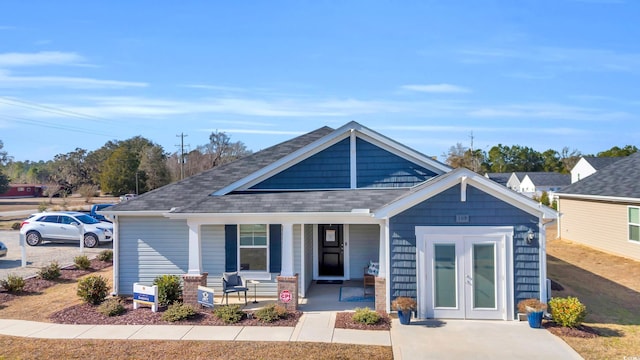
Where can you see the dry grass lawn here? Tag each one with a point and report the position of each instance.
(610, 288)
(39, 307)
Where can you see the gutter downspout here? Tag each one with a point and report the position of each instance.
(543, 260)
(115, 243)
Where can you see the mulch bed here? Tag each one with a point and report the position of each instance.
(343, 321)
(88, 314)
(582, 331)
(35, 285)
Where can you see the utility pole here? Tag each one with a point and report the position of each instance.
(473, 155)
(181, 136)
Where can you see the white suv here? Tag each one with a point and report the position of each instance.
(64, 226)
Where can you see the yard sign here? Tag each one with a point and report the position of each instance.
(147, 295)
(205, 296)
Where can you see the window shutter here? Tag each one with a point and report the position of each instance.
(231, 248)
(275, 248)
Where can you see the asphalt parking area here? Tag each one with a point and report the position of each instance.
(39, 256)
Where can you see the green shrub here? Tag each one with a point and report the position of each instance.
(111, 307)
(15, 226)
(178, 311)
(169, 289)
(42, 207)
(105, 255)
(271, 313)
(13, 283)
(50, 272)
(569, 311)
(82, 262)
(93, 289)
(366, 316)
(229, 314)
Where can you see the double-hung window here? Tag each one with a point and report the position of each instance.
(634, 223)
(253, 247)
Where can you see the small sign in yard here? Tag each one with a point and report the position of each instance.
(147, 295)
(205, 296)
(285, 296)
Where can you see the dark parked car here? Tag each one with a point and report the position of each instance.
(3, 250)
(94, 212)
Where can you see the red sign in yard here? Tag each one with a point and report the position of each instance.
(285, 296)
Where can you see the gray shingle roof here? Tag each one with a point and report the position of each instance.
(197, 187)
(549, 178)
(307, 201)
(500, 178)
(619, 180)
(600, 162)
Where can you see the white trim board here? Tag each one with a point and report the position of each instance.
(435, 186)
(350, 130)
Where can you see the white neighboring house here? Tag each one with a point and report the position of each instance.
(514, 180)
(535, 183)
(587, 165)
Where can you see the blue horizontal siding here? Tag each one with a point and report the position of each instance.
(328, 169)
(377, 167)
(483, 210)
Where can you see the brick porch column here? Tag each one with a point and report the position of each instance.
(288, 283)
(381, 294)
(190, 287)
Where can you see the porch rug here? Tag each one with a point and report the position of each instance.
(354, 294)
(328, 282)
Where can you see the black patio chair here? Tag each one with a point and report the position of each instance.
(232, 282)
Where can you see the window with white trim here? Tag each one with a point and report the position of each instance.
(634, 223)
(253, 247)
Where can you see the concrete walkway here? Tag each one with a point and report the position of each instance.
(432, 339)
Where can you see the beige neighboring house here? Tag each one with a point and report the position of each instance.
(603, 210)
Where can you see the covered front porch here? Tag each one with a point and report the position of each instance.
(320, 297)
(309, 249)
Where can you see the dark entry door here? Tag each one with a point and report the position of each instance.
(331, 250)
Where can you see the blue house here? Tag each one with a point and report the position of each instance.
(323, 206)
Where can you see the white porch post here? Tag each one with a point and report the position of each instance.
(542, 241)
(287, 250)
(195, 249)
(382, 252)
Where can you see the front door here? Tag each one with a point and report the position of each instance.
(463, 276)
(330, 250)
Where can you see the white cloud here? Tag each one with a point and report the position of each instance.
(563, 59)
(259, 132)
(40, 59)
(548, 111)
(437, 88)
(9, 81)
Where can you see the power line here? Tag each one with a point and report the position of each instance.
(49, 109)
(53, 126)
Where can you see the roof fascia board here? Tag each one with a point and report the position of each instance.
(283, 163)
(272, 218)
(451, 179)
(397, 148)
(598, 197)
(135, 213)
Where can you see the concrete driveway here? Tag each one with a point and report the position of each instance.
(38, 256)
(482, 339)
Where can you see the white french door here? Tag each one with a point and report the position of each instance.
(462, 275)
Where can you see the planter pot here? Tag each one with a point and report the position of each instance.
(535, 319)
(404, 317)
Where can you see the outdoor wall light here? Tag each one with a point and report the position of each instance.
(530, 236)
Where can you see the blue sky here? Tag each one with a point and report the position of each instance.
(543, 74)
